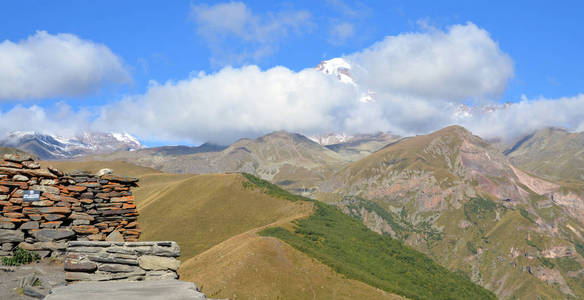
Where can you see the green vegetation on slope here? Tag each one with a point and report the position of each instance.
(350, 248)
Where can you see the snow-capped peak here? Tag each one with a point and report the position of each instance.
(337, 67)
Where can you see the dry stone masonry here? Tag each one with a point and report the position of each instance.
(41, 210)
(131, 261)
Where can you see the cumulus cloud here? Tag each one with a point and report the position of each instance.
(57, 119)
(233, 103)
(420, 81)
(458, 64)
(235, 34)
(512, 120)
(47, 66)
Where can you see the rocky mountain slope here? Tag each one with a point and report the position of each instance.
(552, 153)
(453, 196)
(48, 146)
(220, 222)
(289, 159)
(359, 146)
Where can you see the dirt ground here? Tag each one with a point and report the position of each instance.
(49, 272)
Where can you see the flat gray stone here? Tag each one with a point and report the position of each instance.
(11, 236)
(48, 235)
(30, 225)
(150, 262)
(118, 268)
(173, 250)
(138, 290)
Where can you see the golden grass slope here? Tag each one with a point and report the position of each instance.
(249, 266)
(119, 167)
(204, 210)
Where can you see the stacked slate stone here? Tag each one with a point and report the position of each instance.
(132, 261)
(76, 206)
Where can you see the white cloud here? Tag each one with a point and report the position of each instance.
(419, 79)
(340, 33)
(235, 34)
(58, 119)
(460, 63)
(47, 66)
(517, 119)
(234, 103)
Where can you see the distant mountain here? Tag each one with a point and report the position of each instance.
(361, 145)
(53, 147)
(289, 159)
(10, 150)
(458, 199)
(551, 153)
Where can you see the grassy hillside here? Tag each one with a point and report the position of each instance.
(249, 266)
(201, 211)
(350, 248)
(10, 150)
(552, 153)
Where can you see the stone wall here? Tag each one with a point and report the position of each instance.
(72, 207)
(131, 261)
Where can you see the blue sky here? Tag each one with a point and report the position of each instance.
(161, 41)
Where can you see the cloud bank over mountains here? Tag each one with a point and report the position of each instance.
(422, 81)
(61, 65)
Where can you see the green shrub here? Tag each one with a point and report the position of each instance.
(471, 247)
(269, 188)
(20, 257)
(525, 214)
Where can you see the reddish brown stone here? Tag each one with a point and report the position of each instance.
(43, 203)
(61, 198)
(31, 164)
(76, 188)
(53, 217)
(34, 173)
(96, 237)
(81, 216)
(4, 190)
(114, 212)
(34, 217)
(128, 206)
(2, 203)
(108, 229)
(86, 201)
(85, 229)
(52, 224)
(102, 195)
(10, 164)
(30, 210)
(131, 225)
(122, 199)
(21, 185)
(54, 210)
(74, 266)
(14, 215)
(11, 208)
(16, 200)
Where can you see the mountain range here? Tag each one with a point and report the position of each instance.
(50, 146)
(511, 221)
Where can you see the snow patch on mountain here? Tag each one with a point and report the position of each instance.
(50, 146)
